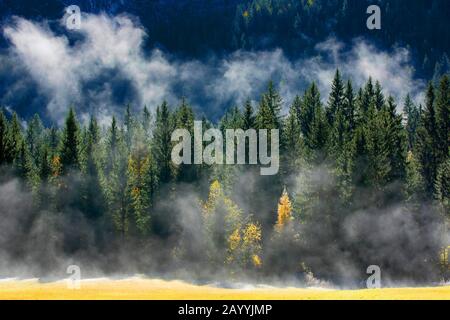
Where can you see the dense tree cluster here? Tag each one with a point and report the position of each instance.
(360, 183)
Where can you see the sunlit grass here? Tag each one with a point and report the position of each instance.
(138, 288)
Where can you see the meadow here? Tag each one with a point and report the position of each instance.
(157, 289)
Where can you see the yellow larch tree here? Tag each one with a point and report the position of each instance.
(284, 211)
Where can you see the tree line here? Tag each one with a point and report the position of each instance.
(360, 183)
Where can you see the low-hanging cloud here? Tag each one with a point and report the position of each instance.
(104, 66)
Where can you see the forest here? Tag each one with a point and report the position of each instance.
(363, 180)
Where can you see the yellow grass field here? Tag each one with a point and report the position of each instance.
(154, 289)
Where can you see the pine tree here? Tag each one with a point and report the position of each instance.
(443, 118)
(23, 164)
(249, 118)
(292, 140)
(94, 131)
(412, 114)
(379, 162)
(35, 136)
(442, 186)
(112, 145)
(336, 98)
(117, 180)
(53, 141)
(274, 102)
(6, 143)
(378, 96)
(396, 141)
(129, 126)
(146, 122)
(93, 200)
(312, 120)
(349, 108)
(184, 119)
(366, 97)
(69, 147)
(162, 145)
(140, 188)
(427, 142)
(15, 129)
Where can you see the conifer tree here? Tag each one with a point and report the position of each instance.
(412, 114)
(222, 220)
(162, 144)
(15, 129)
(35, 136)
(117, 179)
(292, 142)
(366, 97)
(129, 124)
(6, 143)
(53, 141)
(378, 96)
(184, 119)
(112, 145)
(274, 102)
(249, 117)
(140, 186)
(23, 164)
(396, 141)
(93, 202)
(349, 108)
(312, 119)
(284, 211)
(146, 122)
(427, 142)
(443, 118)
(442, 186)
(69, 146)
(336, 98)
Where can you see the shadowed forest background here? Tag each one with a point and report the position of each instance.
(359, 184)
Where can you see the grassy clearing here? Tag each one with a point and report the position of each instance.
(154, 289)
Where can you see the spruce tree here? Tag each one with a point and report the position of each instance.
(34, 137)
(249, 117)
(184, 119)
(69, 146)
(274, 102)
(292, 145)
(336, 98)
(92, 194)
(23, 164)
(349, 108)
(427, 142)
(412, 114)
(129, 124)
(141, 184)
(396, 141)
(117, 180)
(378, 97)
(6, 142)
(162, 145)
(146, 122)
(15, 129)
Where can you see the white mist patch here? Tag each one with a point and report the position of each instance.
(107, 67)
